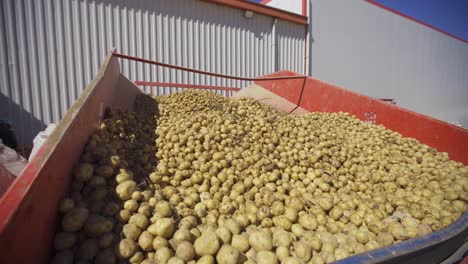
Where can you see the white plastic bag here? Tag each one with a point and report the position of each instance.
(11, 160)
(11, 166)
(40, 139)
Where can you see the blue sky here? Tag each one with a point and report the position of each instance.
(447, 15)
(450, 16)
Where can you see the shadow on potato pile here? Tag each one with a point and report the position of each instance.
(194, 177)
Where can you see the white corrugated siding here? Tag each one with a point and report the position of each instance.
(291, 47)
(51, 49)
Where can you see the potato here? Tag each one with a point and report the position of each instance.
(76, 186)
(105, 171)
(385, 239)
(162, 255)
(277, 208)
(260, 240)
(63, 257)
(64, 240)
(292, 260)
(224, 234)
(308, 221)
(372, 245)
(131, 205)
(106, 256)
(333, 227)
(159, 242)
(66, 204)
(398, 231)
(328, 256)
(114, 161)
(145, 241)
(282, 238)
(313, 240)
(125, 189)
(328, 246)
(163, 208)
(282, 222)
(242, 219)
(175, 260)
(356, 219)
(75, 219)
(207, 243)
(185, 251)
(212, 204)
(97, 225)
(123, 176)
(282, 253)
(98, 194)
(106, 240)
(150, 255)
(241, 242)
(297, 230)
(423, 229)
(87, 250)
(126, 248)
(266, 257)
(291, 214)
(163, 227)
(139, 220)
(137, 257)
(302, 251)
(131, 231)
(150, 261)
(83, 171)
(208, 259)
(111, 209)
(362, 236)
(233, 226)
(124, 216)
(183, 234)
(341, 253)
(188, 222)
(317, 259)
(227, 255)
(336, 213)
(326, 202)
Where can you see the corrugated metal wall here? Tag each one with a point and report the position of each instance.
(291, 47)
(51, 49)
(373, 51)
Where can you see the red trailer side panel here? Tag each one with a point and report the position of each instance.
(289, 89)
(28, 210)
(321, 96)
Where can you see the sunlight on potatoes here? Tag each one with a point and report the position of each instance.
(194, 177)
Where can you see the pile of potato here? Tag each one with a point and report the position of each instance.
(194, 177)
